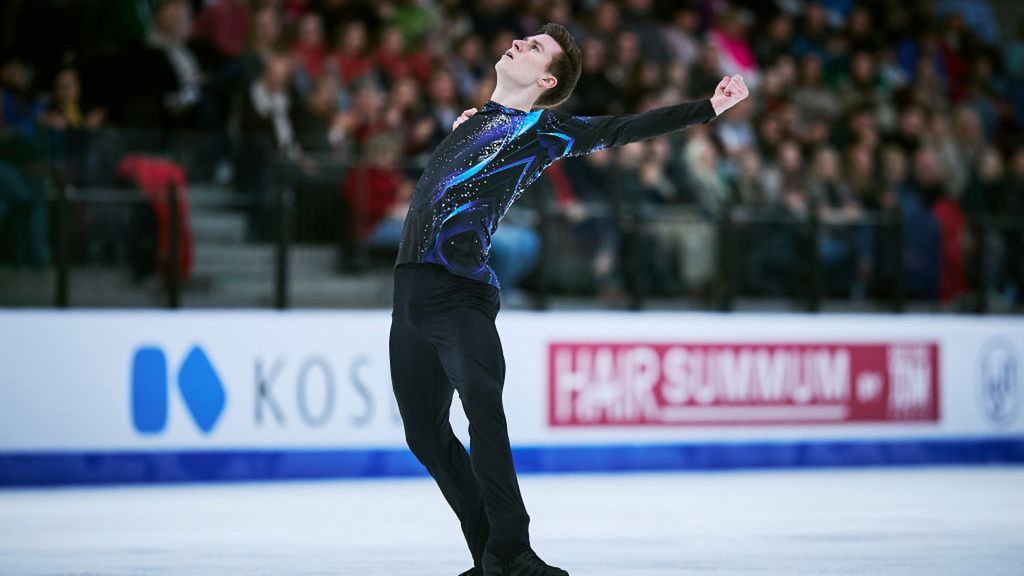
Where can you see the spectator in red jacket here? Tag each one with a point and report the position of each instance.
(309, 49)
(371, 188)
(224, 25)
(351, 59)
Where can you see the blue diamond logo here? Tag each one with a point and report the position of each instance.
(202, 389)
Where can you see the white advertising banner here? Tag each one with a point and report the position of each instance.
(109, 381)
(100, 397)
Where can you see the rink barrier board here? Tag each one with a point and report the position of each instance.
(90, 468)
(151, 396)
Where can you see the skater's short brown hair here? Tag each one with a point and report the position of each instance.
(565, 67)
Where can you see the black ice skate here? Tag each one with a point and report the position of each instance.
(526, 563)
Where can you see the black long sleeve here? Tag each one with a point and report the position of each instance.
(592, 133)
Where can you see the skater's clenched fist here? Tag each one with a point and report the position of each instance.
(729, 92)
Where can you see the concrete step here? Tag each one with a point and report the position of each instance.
(205, 196)
(369, 290)
(373, 289)
(27, 287)
(217, 227)
(112, 287)
(87, 286)
(259, 260)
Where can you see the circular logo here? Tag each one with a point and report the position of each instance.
(999, 392)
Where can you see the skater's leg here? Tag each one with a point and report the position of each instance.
(424, 396)
(471, 354)
(480, 381)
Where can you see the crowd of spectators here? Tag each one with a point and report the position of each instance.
(860, 111)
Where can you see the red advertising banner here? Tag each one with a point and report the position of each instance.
(629, 384)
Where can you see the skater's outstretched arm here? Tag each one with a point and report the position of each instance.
(586, 134)
(592, 133)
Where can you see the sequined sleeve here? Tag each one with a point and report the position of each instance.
(592, 133)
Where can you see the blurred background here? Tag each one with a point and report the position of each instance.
(268, 148)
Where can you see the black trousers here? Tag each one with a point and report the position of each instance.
(443, 340)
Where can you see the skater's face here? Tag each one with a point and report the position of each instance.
(526, 62)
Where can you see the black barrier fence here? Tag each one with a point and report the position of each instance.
(627, 254)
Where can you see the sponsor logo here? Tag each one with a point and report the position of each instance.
(200, 386)
(741, 384)
(999, 386)
(308, 392)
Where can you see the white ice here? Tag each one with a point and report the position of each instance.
(933, 521)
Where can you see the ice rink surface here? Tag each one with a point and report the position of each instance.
(914, 521)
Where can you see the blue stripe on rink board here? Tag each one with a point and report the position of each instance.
(98, 467)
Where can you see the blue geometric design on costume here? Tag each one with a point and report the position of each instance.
(435, 253)
(568, 139)
(448, 227)
(528, 161)
(462, 208)
(465, 175)
(528, 123)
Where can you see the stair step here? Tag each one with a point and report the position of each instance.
(371, 290)
(217, 227)
(26, 287)
(203, 196)
(112, 287)
(218, 260)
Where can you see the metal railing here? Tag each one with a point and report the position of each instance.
(726, 226)
(628, 219)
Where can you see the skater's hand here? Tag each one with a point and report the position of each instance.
(462, 118)
(729, 92)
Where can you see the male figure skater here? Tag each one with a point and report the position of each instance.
(443, 336)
